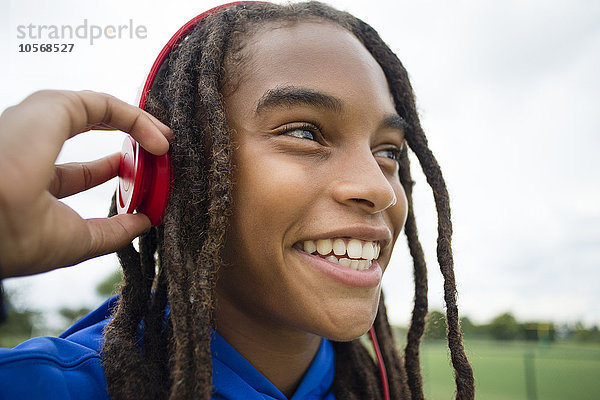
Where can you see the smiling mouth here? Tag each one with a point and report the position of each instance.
(350, 253)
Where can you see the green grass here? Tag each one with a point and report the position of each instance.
(562, 371)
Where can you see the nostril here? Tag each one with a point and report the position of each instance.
(368, 203)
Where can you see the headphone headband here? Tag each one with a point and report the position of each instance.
(172, 43)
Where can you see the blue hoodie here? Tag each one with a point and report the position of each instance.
(69, 367)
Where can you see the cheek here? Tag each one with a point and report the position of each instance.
(269, 197)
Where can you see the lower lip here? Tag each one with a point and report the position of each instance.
(366, 279)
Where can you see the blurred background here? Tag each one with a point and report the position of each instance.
(508, 96)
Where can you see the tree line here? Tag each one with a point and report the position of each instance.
(22, 324)
(506, 327)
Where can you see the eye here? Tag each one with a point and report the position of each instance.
(302, 131)
(391, 153)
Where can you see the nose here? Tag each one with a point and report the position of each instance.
(363, 184)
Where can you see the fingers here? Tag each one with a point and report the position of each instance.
(74, 177)
(37, 232)
(63, 114)
(106, 111)
(90, 238)
(111, 234)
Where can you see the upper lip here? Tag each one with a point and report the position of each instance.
(373, 233)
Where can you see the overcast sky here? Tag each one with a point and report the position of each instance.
(508, 93)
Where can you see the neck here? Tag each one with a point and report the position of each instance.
(281, 354)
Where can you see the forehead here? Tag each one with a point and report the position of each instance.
(316, 55)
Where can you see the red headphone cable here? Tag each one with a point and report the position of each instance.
(381, 364)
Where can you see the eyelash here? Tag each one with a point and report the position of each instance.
(393, 153)
(305, 127)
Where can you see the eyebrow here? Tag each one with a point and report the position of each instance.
(290, 96)
(394, 121)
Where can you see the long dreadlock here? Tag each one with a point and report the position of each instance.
(151, 353)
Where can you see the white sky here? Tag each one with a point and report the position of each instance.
(508, 96)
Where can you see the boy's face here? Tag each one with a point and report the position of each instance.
(315, 137)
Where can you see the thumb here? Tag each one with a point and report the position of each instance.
(111, 234)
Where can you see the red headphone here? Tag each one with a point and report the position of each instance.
(145, 179)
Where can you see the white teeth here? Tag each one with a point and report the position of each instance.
(368, 251)
(310, 246)
(324, 246)
(354, 248)
(359, 265)
(344, 262)
(332, 259)
(359, 256)
(339, 247)
(364, 264)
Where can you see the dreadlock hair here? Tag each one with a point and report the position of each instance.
(158, 344)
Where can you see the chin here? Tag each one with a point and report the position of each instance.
(349, 323)
(348, 334)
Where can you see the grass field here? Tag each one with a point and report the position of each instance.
(561, 371)
(558, 371)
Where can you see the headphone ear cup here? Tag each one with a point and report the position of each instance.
(144, 181)
(157, 188)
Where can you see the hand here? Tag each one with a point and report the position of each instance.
(37, 232)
